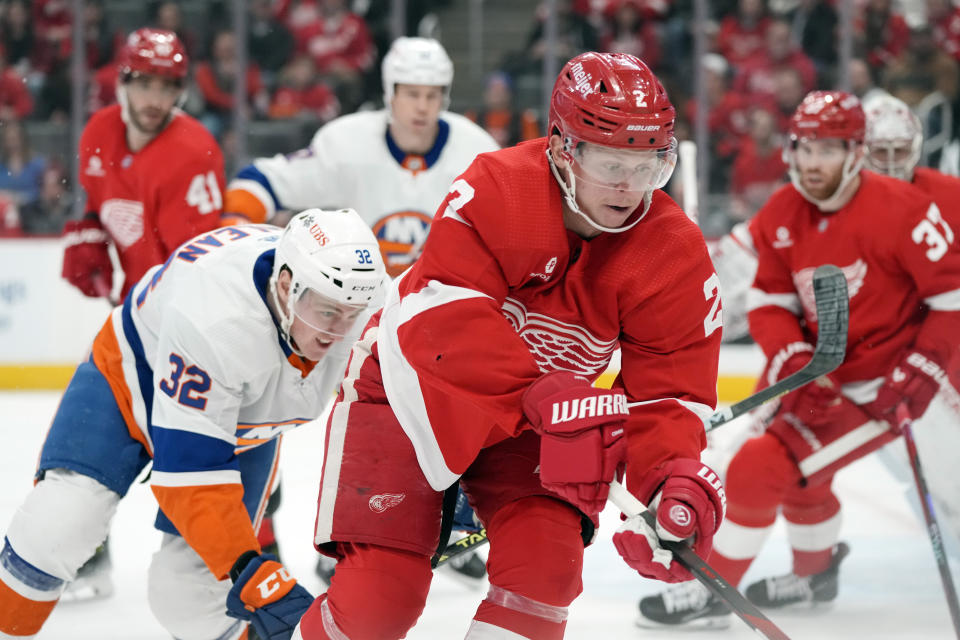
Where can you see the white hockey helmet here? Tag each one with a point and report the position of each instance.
(331, 255)
(894, 137)
(416, 61)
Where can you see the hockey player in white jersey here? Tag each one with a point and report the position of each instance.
(394, 166)
(242, 334)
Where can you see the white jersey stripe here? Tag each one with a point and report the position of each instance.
(840, 447)
(947, 301)
(194, 478)
(789, 301)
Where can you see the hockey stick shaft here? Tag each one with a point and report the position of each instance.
(682, 553)
(687, 153)
(473, 541)
(833, 314)
(933, 526)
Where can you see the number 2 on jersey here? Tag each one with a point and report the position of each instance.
(714, 319)
(192, 388)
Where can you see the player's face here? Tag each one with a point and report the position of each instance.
(611, 183)
(416, 108)
(892, 157)
(318, 322)
(820, 165)
(151, 99)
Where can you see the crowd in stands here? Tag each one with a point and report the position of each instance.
(311, 60)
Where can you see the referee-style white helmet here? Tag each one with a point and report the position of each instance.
(334, 261)
(416, 61)
(894, 137)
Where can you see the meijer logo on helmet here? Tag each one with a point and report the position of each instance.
(582, 78)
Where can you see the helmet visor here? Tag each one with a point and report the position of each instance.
(326, 315)
(624, 169)
(893, 158)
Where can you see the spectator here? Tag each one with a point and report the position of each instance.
(944, 17)
(788, 92)
(269, 42)
(46, 215)
(505, 123)
(742, 34)
(342, 50)
(756, 76)
(575, 34)
(628, 30)
(53, 98)
(882, 34)
(20, 171)
(922, 69)
(15, 100)
(100, 38)
(216, 78)
(814, 25)
(726, 120)
(52, 24)
(103, 88)
(16, 36)
(861, 80)
(166, 14)
(759, 169)
(301, 95)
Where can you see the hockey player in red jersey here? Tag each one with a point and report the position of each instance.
(153, 175)
(542, 260)
(901, 261)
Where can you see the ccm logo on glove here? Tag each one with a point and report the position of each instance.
(274, 582)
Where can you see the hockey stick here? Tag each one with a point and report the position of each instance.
(685, 555)
(833, 313)
(933, 527)
(830, 294)
(687, 153)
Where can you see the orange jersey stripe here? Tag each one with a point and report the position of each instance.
(213, 520)
(109, 360)
(20, 616)
(244, 203)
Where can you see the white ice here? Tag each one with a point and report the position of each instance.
(890, 587)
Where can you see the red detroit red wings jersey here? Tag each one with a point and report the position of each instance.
(504, 293)
(153, 200)
(902, 265)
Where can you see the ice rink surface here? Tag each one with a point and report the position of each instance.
(889, 588)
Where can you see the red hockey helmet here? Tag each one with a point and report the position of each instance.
(828, 114)
(611, 99)
(154, 52)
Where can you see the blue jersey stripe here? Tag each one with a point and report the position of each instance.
(178, 451)
(250, 172)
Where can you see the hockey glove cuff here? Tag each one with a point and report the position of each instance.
(914, 381)
(265, 594)
(86, 260)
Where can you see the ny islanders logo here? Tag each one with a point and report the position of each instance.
(401, 236)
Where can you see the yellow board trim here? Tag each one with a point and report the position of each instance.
(730, 388)
(32, 377)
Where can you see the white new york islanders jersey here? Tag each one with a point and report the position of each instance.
(354, 162)
(201, 373)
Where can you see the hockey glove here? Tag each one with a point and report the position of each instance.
(689, 503)
(581, 437)
(464, 517)
(86, 261)
(267, 596)
(914, 381)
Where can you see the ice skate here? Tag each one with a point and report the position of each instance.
(468, 568)
(93, 580)
(790, 589)
(688, 605)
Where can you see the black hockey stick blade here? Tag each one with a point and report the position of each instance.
(833, 315)
(464, 545)
(933, 526)
(686, 556)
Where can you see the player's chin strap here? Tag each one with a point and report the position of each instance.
(286, 319)
(840, 197)
(570, 197)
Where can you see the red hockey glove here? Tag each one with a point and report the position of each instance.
(266, 595)
(582, 445)
(86, 261)
(689, 501)
(913, 382)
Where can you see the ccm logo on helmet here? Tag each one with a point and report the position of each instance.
(582, 79)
